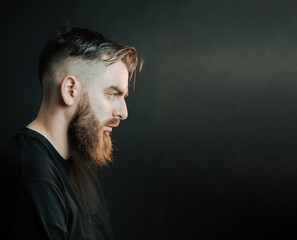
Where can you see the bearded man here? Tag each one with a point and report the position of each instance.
(50, 187)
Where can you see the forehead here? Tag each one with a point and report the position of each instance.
(115, 74)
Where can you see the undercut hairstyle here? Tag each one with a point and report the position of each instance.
(77, 49)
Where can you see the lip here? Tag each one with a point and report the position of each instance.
(108, 128)
(112, 126)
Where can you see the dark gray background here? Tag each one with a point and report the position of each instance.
(209, 148)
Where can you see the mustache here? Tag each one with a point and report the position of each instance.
(114, 122)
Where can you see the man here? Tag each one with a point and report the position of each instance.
(50, 188)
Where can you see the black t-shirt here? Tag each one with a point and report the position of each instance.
(44, 196)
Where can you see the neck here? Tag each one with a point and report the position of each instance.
(53, 125)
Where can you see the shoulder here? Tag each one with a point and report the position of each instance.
(38, 164)
(27, 158)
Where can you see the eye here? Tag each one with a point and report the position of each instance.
(110, 96)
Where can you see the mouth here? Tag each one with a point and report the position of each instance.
(109, 127)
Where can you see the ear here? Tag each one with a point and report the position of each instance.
(69, 88)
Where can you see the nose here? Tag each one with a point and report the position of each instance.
(121, 110)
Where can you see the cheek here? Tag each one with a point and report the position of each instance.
(102, 108)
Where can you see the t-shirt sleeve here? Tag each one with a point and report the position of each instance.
(43, 214)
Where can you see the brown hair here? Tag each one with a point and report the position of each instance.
(129, 56)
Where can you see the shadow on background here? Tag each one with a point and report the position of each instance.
(209, 148)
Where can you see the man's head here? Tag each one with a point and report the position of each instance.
(87, 75)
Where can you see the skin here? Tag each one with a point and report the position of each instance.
(106, 97)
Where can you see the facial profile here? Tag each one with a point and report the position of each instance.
(100, 107)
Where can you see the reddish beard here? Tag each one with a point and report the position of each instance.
(86, 135)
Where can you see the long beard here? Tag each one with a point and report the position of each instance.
(86, 135)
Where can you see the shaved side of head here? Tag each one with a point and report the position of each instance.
(85, 71)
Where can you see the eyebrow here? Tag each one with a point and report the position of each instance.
(118, 90)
